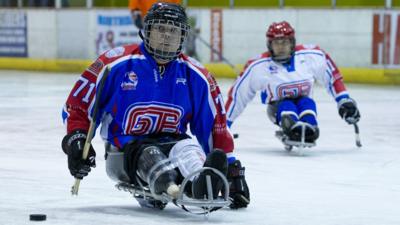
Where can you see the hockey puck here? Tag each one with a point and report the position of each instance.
(235, 136)
(37, 217)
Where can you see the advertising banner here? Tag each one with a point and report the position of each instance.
(115, 28)
(216, 35)
(386, 38)
(13, 34)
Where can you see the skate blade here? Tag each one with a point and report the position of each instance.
(289, 144)
(299, 144)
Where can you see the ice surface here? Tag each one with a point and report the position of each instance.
(334, 183)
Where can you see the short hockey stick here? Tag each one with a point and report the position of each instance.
(357, 132)
(75, 187)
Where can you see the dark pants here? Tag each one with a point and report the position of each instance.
(122, 165)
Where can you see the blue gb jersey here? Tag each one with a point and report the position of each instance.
(140, 98)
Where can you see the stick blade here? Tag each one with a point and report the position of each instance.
(357, 132)
(358, 143)
(75, 187)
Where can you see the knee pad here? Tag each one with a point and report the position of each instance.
(286, 107)
(188, 156)
(149, 156)
(153, 168)
(306, 104)
(307, 110)
(307, 101)
(133, 151)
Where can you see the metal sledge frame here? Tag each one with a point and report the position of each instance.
(209, 204)
(206, 205)
(289, 144)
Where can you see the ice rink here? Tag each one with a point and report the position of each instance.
(334, 183)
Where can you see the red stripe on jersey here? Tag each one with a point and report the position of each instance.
(306, 47)
(261, 56)
(230, 99)
(117, 143)
(338, 84)
(222, 139)
(84, 90)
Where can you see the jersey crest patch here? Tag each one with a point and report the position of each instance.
(294, 90)
(130, 81)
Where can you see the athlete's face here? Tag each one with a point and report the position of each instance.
(282, 47)
(165, 37)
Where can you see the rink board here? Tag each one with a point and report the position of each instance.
(220, 70)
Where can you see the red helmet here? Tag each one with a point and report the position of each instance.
(278, 30)
(281, 30)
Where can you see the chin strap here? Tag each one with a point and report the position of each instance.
(141, 35)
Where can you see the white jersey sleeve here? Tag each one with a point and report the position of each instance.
(245, 88)
(328, 75)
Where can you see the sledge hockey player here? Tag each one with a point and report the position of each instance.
(147, 95)
(285, 75)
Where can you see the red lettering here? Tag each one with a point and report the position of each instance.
(216, 35)
(396, 59)
(381, 38)
(142, 120)
(294, 90)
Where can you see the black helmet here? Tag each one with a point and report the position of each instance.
(165, 29)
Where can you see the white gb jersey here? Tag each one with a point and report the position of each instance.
(276, 81)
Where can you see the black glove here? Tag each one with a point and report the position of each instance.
(238, 189)
(348, 110)
(72, 145)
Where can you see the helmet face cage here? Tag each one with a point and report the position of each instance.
(281, 59)
(165, 31)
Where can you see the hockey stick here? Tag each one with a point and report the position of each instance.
(353, 121)
(357, 132)
(86, 147)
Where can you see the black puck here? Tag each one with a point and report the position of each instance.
(37, 217)
(235, 136)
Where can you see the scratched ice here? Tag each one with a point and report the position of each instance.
(333, 183)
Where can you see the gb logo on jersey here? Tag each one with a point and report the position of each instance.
(294, 90)
(154, 117)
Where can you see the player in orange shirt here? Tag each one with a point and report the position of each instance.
(139, 9)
